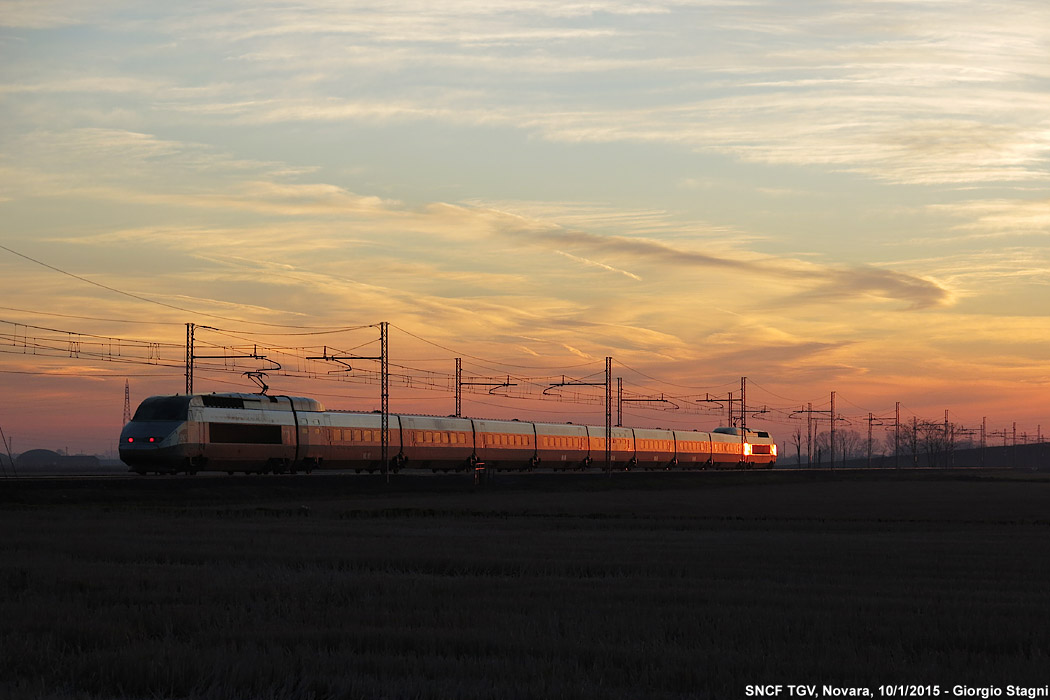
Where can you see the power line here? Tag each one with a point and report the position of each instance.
(680, 386)
(457, 353)
(147, 299)
(89, 318)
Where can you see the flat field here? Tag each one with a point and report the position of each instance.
(531, 586)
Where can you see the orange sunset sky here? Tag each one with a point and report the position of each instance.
(819, 196)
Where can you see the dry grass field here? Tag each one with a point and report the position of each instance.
(532, 586)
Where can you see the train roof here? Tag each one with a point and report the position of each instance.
(241, 400)
(740, 431)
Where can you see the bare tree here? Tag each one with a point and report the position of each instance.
(796, 440)
(848, 444)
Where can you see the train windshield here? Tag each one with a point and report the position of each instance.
(163, 408)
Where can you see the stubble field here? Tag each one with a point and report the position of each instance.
(654, 586)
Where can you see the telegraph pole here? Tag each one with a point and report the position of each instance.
(949, 442)
(833, 430)
(743, 403)
(7, 449)
(127, 402)
(619, 402)
(871, 418)
(809, 435)
(897, 438)
(189, 357)
(459, 387)
(384, 390)
(984, 432)
(915, 441)
(608, 415)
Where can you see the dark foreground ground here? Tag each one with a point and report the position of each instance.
(533, 586)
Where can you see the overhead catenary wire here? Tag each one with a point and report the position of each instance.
(147, 300)
(64, 344)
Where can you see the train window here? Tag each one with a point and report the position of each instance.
(241, 433)
(163, 408)
(428, 437)
(222, 402)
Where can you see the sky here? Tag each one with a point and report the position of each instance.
(822, 196)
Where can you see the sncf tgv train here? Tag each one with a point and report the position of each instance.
(259, 433)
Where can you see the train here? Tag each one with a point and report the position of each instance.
(258, 433)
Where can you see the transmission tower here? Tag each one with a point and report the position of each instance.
(127, 402)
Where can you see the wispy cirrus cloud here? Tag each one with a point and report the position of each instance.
(228, 190)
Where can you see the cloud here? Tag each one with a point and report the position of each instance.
(48, 14)
(601, 266)
(866, 281)
(824, 283)
(895, 97)
(996, 218)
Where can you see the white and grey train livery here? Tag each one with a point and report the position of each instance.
(236, 432)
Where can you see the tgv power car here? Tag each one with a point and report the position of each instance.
(260, 433)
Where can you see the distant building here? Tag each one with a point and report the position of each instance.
(48, 459)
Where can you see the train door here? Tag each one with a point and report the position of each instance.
(195, 437)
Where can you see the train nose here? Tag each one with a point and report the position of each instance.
(148, 443)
